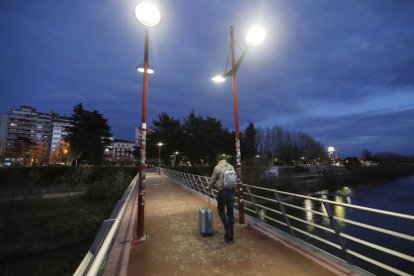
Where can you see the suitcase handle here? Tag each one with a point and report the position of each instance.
(208, 195)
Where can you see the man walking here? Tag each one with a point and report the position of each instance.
(225, 179)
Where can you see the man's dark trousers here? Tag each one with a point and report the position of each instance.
(225, 200)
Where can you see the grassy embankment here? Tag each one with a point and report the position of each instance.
(29, 224)
(305, 183)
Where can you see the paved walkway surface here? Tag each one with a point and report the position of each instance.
(175, 246)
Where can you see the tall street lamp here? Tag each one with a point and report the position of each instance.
(254, 37)
(148, 15)
(159, 153)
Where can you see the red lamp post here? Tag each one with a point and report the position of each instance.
(255, 36)
(148, 15)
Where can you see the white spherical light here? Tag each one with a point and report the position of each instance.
(255, 36)
(148, 14)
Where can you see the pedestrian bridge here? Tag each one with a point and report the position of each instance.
(175, 247)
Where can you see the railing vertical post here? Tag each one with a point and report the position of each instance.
(190, 183)
(282, 208)
(254, 201)
(337, 232)
(201, 183)
(184, 179)
(196, 183)
(180, 177)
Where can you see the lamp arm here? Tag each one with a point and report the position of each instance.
(237, 65)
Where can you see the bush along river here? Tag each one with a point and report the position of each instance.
(396, 196)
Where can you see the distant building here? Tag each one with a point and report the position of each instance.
(22, 126)
(28, 136)
(278, 171)
(59, 148)
(122, 150)
(333, 156)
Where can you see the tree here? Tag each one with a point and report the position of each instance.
(24, 150)
(366, 155)
(205, 138)
(89, 135)
(248, 142)
(168, 131)
(288, 146)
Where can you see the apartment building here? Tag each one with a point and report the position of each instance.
(122, 150)
(28, 136)
(59, 148)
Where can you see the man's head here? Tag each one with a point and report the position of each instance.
(221, 157)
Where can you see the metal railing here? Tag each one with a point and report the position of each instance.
(326, 228)
(94, 261)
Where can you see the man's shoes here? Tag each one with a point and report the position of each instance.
(231, 238)
(228, 237)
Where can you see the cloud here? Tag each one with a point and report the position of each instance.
(337, 70)
(381, 130)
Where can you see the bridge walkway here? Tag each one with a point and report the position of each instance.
(175, 246)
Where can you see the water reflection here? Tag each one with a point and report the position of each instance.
(325, 219)
(308, 205)
(338, 211)
(262, 214)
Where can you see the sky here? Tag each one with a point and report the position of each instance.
(341, 71)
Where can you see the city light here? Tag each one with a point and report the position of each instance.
(140, 69)
(255, 36)
(218, 79)
(147, 14)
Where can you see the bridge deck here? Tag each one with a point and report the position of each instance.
(175, 246)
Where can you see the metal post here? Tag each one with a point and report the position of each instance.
(337, 233)
(159, 159)
(282, 208)
(141, 183)
(253, 201)
(236, 131)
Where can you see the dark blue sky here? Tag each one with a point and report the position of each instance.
(342, 71)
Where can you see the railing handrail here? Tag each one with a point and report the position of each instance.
(93, 262)
(186, 180)
(368, 209)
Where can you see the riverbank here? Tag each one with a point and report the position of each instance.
(37, 225)
(305, 183)
(44, 209)
(61, 261)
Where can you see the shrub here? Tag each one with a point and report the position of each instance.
(111, 187)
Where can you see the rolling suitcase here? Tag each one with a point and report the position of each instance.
(206, 220)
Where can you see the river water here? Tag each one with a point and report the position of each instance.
(395, 196)
(62, 261)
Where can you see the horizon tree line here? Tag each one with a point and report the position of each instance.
(199, 140)
(196, 139)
